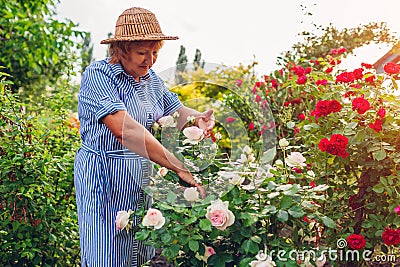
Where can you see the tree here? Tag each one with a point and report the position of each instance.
(181, 65)
(86, 52)
(317, 45)
(35, 47)
(197, 60)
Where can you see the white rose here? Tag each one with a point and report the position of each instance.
(214, 146)
(296, 159)
(236, 179)
(320, 261)
(218, 136)
(191, 119)
(191, 194)
(283, 142)
(311, 173)
(162, 171)
(266, 263)
(153, 218)
(219, 214)
(167, 121)
(155, 126)
(279, 162)
(263, 260)
(247, 150)
(122, 219)
(194, 135)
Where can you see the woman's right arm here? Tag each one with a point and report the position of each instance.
(139, 140)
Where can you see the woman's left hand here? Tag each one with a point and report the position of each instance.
(206, 122)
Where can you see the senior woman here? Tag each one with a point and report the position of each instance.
(120, 97)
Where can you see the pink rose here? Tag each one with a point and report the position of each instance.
(208, 252)
(193, 134)
(154, 218)
(122, 219)
(219, 214)
(397, 209)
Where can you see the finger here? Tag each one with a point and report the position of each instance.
(207, 115)
(202, 191)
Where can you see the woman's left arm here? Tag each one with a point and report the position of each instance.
(203, 120)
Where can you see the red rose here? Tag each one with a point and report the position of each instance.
(301, 80)
(299, 70)
(323, 144)
(335, 106)
(258, 98)
(381, 112)
(308, 70)
(391, 236)
(329, 70)
(229, 119)
(274, 83)
(358, 73)
(301, 117)
(376, 126)
(339, 140)
(356, 241)
(360, 104)
(391, 68)
(321, 82)
(367, 66)
(251, 126)
(370, 79)
(345, 77)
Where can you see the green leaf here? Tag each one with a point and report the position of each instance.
(205, 225)
(256, 239)
(250, 247)
(142, 235)
(379, 155)
(194, 245)
(219, 260)
(285, 203)
(296, 212)
(245, 262)
(378, 188)
(171, 197)
(171, 251)
(166, 238)
(283, 215)
(328, 222)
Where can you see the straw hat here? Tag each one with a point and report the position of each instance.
(137, 24)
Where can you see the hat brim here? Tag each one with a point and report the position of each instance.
(139, 38)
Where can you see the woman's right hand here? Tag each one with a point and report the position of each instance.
(187, 177)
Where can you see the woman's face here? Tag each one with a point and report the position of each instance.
(140, 59)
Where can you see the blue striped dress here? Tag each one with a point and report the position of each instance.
(109, 178)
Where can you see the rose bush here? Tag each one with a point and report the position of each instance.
(333, 174)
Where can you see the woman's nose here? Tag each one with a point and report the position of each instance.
(149, 59)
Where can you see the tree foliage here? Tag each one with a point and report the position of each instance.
(320, 44)
(35, 47)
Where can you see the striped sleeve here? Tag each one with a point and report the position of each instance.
(98, 95)
(171, 101)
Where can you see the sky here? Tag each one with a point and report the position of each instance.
(230, 32)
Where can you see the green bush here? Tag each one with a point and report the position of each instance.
(38, 219)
